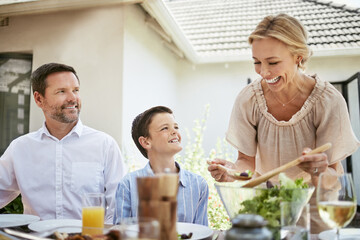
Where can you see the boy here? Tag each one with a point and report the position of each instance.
(157, 136)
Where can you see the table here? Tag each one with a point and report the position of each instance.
(221, 235)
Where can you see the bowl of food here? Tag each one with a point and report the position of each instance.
(265, 199)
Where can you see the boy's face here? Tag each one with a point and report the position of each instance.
(164, 136)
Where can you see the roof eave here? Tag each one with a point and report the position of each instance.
(341, 52)
(158, 10)
(345, 52)
(46, 6)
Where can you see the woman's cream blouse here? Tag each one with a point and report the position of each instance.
(323, 118)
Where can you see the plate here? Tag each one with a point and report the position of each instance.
(7, 236)
(62, 225)
(199, 231)
(14, 220)
(345, 233)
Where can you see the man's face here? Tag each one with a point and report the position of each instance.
(62, 101)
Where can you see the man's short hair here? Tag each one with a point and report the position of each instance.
(38, 77)
(140, 125)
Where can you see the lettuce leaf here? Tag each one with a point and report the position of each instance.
(266, 202)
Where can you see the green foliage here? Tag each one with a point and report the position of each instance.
(266, 202)
(15, 206)
(194, 160)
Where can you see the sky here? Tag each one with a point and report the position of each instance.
(352, 3)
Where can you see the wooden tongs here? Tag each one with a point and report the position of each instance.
(256, 181)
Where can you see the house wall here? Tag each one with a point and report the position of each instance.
(215, 85)
(149, 74)
(91, 41)
(334, 69)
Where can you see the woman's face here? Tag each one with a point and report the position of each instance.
(274, 62)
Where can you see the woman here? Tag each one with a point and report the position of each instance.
(286, 112)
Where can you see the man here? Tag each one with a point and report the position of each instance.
(53, 167)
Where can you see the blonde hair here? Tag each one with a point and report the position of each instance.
(288, 30)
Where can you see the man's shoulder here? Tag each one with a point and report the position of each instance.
(89, 131)
(31, 136)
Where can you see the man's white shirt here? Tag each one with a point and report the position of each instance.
(52, 175)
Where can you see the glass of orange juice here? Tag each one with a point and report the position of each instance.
(93, 213)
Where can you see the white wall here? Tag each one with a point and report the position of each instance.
(91, 41)
(216, 85)
(149, 74)
(334, 68)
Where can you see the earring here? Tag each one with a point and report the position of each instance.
(299, 62)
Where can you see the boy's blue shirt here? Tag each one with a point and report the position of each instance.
(192, 198)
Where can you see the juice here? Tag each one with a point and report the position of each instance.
(93, 220)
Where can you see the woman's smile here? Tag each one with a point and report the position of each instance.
(273, 80)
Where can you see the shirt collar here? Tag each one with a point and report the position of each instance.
(77, 129)
(182, 178)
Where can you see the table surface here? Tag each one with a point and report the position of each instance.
(220, 234)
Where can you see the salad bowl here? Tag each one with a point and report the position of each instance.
(262, 200)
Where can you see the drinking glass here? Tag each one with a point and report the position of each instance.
(336, 200)
(140, 228)
(93, 213)
(295, 220)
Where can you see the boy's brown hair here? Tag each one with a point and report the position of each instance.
(140, 125)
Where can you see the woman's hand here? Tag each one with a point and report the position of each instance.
(220, 174)
(314, 164)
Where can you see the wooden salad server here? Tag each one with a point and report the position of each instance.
(256, 181)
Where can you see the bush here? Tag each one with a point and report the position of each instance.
(15, 206)
(194, 160)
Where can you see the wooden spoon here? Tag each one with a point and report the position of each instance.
(270, 174)
(232, 172)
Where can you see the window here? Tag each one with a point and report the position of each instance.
(15, 71)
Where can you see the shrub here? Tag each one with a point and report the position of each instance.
(15, 206)
(194, 160)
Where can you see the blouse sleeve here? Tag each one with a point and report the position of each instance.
(333, 125)
(241, 132)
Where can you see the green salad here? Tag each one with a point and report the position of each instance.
(266, 202)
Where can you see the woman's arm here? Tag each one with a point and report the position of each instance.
(242, 163)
